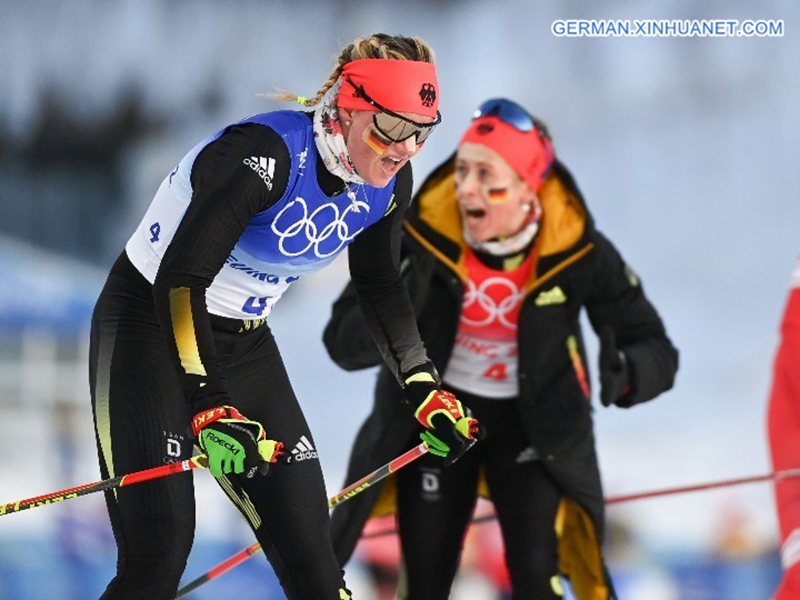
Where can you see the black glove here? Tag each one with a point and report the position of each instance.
(450, 429)
(615, 385)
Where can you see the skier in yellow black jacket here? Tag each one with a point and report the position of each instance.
(500, 256)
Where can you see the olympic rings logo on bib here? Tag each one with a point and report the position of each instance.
(325, 230)
(495, 302)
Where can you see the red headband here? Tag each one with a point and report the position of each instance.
(403, 86)
(528, 153)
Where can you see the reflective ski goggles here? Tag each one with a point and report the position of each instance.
(394, 127)
(510, 113)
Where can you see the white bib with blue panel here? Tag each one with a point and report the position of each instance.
(301, 233)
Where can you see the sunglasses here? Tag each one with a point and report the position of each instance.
(510, 113)
(394, 127)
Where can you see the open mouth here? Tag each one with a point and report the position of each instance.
(391, 163)
(474, 212)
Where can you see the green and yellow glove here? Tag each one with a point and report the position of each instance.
(450, 430)
(233, 443)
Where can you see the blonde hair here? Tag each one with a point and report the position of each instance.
(379, 45)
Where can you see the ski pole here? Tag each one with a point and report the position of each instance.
(197, 462)
(380, 473)
(347, 493)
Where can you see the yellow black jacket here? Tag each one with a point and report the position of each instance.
(576, 268)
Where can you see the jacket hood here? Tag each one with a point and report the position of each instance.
(434, 221)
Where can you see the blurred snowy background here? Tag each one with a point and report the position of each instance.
(685, 148)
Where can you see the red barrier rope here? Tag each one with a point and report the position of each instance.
(788, 473)
(785, 474)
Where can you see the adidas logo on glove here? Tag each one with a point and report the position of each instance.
(303, 450)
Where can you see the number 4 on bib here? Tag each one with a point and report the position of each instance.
(497, 372)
